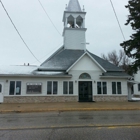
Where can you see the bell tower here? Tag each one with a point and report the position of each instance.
(74, 26)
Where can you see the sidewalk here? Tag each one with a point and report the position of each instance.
(68, 106)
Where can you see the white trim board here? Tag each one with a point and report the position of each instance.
(86, 53)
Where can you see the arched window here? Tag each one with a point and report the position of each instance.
(0, 88)
(85, 76)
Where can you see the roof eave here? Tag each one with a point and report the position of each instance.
(34, 76)
(120, 70)
(47, 69)
(118, 77)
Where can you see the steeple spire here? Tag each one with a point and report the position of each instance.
(74, 6)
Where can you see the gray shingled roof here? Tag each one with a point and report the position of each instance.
(74, 6)
(61, 60)
(65, 58)
(17, 70)
(32, 71)
(105, 64)
(115, 74)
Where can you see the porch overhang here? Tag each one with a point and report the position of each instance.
(133, 82)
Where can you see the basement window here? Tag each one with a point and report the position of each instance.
(34, 88)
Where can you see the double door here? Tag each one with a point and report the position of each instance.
(85, 91)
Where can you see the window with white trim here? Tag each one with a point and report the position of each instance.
(138, 87)
(34, 88)
(52, 87)
(0, 88)
(116, 88)
(101, 87)
(67, 87)
(15, 88)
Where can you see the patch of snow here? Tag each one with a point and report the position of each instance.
(25, 70)
(17, 69)
(136, 99)
(47, 73)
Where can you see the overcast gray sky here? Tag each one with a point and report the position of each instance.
(103, 32)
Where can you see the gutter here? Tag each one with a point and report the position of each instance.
(47, 69)
(119, 77)
(36, 76)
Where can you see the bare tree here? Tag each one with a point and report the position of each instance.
(119, 59)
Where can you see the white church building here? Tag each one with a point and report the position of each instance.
(71, 74)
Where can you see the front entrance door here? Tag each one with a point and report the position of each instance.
(1, 92)
(85, 91)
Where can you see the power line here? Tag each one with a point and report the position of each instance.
(117, 20)
(18, 32)
(49, 52)
(48, 17)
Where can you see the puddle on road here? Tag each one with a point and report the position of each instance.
(86, 118)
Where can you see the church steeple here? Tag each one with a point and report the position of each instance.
(74, 6)
(74, 26)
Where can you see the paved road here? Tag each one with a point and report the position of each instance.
(98, 125)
